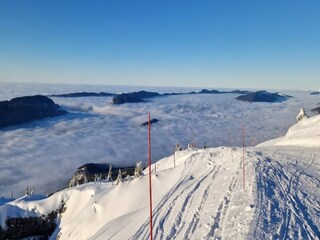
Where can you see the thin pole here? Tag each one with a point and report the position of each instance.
(174, 158)
(150, 184)
(243, 168)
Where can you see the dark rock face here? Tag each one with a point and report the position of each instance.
(89, 172)
(126, 98)
(263, 96)
(317, 109)
(18, 228)
(154, 120)
(24, 109)
(315, 93)
(84, 94)
(134, 97)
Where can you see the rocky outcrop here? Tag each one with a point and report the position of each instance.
(84, 94)
(93, 171)
(240, 92)
(154, 120)
(134, 97)
(25, 109)
(315, 93)
(263, 96)
(126, 98)
(317, 109)
(18, 228)
(206, 91)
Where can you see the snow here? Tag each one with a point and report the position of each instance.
(201, 198)
(205, 195)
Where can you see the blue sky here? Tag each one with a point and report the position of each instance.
(211, 43)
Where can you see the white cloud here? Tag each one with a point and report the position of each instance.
(46, 153)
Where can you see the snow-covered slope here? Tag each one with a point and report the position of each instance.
(203, 197)
(305, 133)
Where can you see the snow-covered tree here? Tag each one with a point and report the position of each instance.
(119, 177)
(302, 115)
(32, 190)
(85, 179)
(178, 147)
(27, 191)
(109, 177)
(96, 177)
(138, 169)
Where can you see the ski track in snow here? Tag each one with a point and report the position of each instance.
(221, 216)
(287, 216)
(193, 210)
(176, 217)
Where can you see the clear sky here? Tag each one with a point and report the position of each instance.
(271, 44)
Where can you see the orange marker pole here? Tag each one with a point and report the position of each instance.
(150, 184)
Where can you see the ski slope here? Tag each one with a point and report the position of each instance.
(202, 197)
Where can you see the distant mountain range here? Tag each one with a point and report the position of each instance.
(143, 96)
(25, 109)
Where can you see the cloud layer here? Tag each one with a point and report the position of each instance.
(46, 153)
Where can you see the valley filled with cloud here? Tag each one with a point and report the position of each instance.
(46, 153)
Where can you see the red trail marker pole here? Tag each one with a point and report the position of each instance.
(243, 168)
(150, 184)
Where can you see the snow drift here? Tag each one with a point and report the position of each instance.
(305, 133)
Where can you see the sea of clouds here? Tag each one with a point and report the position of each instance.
(46, 153)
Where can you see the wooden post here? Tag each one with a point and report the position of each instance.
(150, 183)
